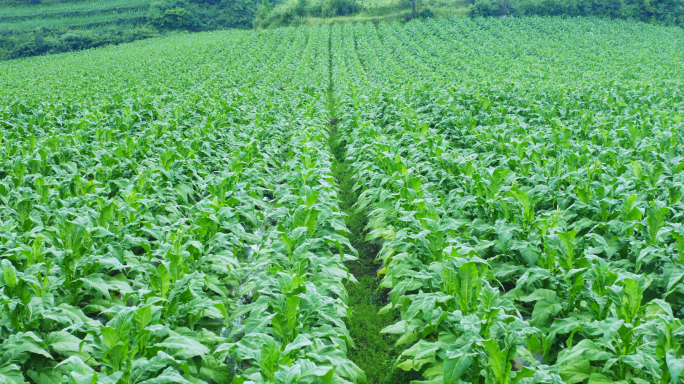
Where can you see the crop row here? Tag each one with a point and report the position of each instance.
(65, 8)
(122, 15)
(531, 216)
(172, 217)
(168, 211)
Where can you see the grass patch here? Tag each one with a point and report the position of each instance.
(375, 353)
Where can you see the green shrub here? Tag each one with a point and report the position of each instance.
(332, 8)
(174, 15)
(484, 8)
(301, 7)
(670, 12)
(426, 13)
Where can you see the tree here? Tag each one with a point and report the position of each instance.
(504, 6)
(239, 13)
(301, 7)
(263, 9)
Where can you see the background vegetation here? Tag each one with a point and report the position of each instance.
(652, 11)
(36, 27)
(668, 12)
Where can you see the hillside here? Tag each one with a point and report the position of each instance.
(298, 12)
(441, 201)
(45, 26)
(36, 27)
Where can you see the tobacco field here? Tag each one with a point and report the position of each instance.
(202, 208)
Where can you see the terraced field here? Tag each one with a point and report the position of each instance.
(447, 201)
(72, 14)
(43, 10)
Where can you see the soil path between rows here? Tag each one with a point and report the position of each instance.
(374, 352)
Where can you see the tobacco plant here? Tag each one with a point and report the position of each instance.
(528, 205)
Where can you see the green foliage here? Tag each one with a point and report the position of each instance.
(301, 7)
(512, 187)
(172, 218)
(237, 13)
(34, 43)
(669, 12)
(332, 8)
(294, 12)
(375, 352)
(70, 25)
(30, 30)
(172, 16)
(486, 8)
(262, 10)
(426, 13)
(526, 228)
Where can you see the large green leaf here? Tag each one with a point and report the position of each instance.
(11, 374)
(9, 273)
(184, 347)
(96, 283)
(575, 373)
(469, 286)
(674, 365)
(456, 366)
(631, 300)
(498, 361)
(168, 376)
(544, 311)
(63, 342)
